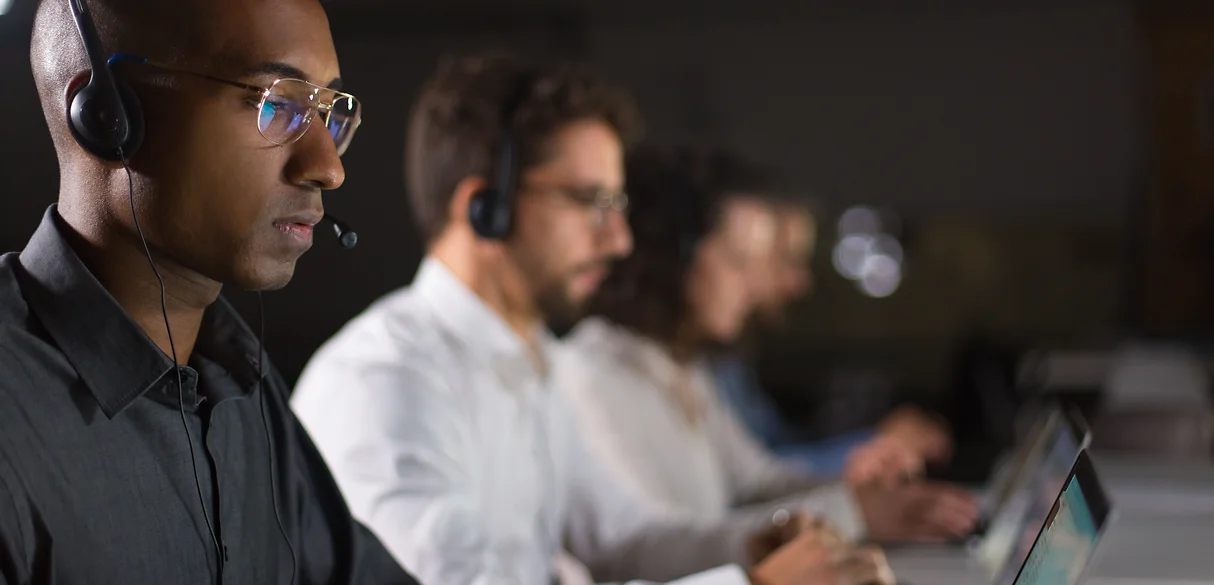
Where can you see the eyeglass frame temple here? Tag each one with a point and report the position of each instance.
(264, 91)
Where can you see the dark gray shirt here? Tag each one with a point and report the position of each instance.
(96, 483)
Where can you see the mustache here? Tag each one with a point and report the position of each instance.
(606, 262)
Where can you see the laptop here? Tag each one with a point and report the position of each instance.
(1056, 549)
(1021, 496)
(1061, 551)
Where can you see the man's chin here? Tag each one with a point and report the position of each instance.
(562, 314)
(266, 279)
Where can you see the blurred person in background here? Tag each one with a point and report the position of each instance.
(898, 448)
(435, 407)
(636, 373)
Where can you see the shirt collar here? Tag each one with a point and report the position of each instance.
(479, 328)
(109, 351)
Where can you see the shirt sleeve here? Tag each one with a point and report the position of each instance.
(407, 467)
(331, 547)
(760, 482)
(621, 536)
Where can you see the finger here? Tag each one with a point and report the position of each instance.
(798, 524)
(951, 522)
(911, 467)
(857, 569)
(862, 472)
(828, 535)
(809, 540)
(885, 573)
(953, 498)
(806, 522)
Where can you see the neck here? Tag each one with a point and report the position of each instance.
(117, 260)
(492, 277)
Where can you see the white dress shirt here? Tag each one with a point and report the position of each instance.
(625, 394)
(447, 441)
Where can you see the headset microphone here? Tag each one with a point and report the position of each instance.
(347, 237)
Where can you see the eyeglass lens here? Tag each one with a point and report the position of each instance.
(288, 107)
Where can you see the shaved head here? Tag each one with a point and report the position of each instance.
(212, 193)
(163, 30)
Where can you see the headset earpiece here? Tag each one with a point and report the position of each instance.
(490, 210)
(489, 213)
(98, 131)
(103, 115)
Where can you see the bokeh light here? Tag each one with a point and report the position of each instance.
(867, 254)
(882, 275)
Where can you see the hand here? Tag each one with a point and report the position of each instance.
(883, 460)
(808, 561)
(917, 512)
(920, 432)
(786, 527)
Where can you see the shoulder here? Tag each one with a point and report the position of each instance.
(592, 367)
(394, 350)
(28, 357)
(395, 329)
(14, 312)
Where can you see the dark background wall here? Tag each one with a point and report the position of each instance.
(1008, 135)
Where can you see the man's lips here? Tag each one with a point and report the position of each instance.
(299, 224)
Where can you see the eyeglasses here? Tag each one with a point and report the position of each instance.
(597, 201)
(288, 106)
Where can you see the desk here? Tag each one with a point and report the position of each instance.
(1135, 550)
(1163, 532)
(1161, 486)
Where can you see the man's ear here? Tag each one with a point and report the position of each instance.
(73, 85)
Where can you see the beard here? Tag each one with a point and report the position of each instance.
(556, 305)
(561, 310)
(561, 313)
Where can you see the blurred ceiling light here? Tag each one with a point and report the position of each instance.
(882, 275)
(850, 254)
(860, 220)
(887, 245)
(867, 252)
(4, 6)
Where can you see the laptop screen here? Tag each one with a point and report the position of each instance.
(1064, 545)
(1010, 535)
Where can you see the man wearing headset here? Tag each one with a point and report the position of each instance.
(195, 160)
(434, 408)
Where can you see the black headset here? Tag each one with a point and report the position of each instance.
(106, 119)
(104, 116)
(490, 210)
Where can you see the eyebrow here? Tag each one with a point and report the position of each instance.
(280, 69)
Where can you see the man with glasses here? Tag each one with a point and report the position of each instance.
(144, 438)
(434, 407)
